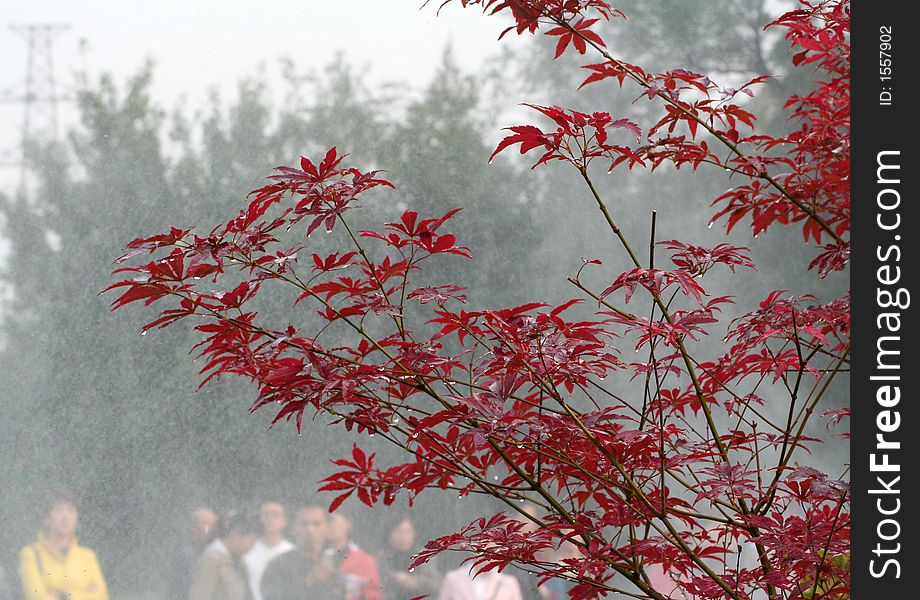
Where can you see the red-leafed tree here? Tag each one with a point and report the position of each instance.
(670, 479)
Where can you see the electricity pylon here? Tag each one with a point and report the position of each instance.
(38, 94)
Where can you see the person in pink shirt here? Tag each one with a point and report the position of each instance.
(460, 584)
(663, 583)
(362, 579)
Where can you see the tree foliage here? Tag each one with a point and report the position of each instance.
(91, 404)
(685, 469)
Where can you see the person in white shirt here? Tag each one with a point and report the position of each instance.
(270, 545)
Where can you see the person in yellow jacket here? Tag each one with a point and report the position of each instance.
(56, 567)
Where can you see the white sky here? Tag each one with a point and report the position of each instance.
(198, 44)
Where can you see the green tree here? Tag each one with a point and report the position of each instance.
(137, 448)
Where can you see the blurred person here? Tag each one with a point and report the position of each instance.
(529, 580)
(203, 526)
(219, 572)
(460, 584)
(56, 567)
(398, 582)
(663, 583)
(308, 572)
(362, 580)
(558, 588)
(270, 545)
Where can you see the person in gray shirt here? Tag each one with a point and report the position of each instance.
(308, 572)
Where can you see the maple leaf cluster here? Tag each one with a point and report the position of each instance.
(681, 470)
